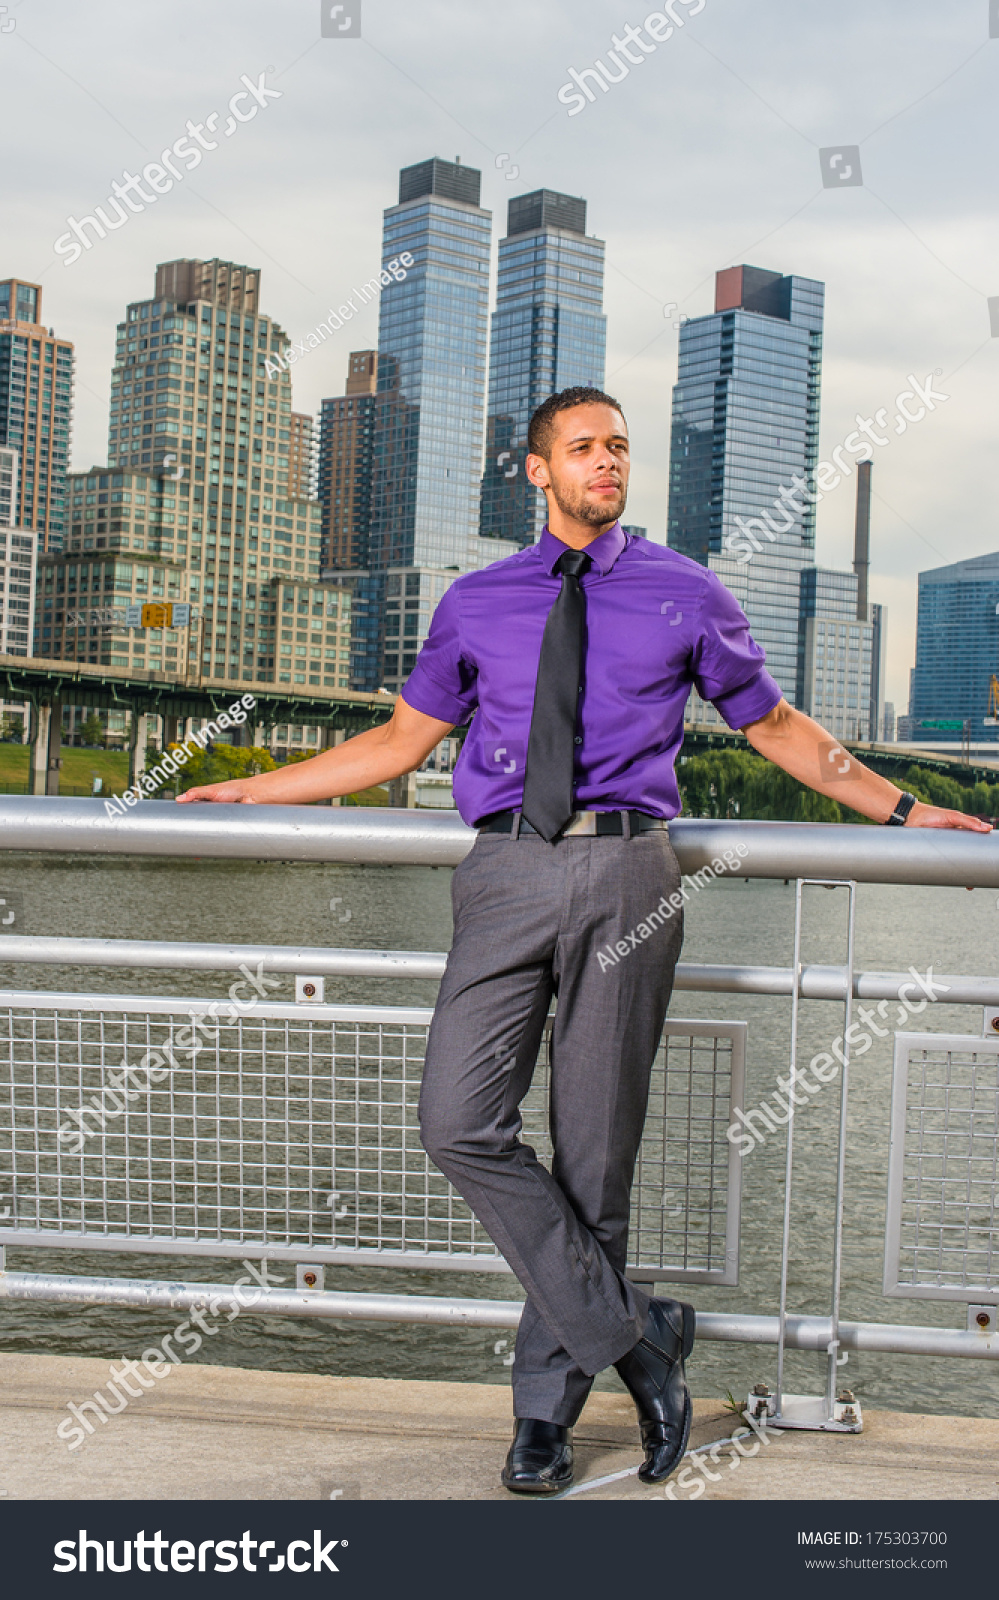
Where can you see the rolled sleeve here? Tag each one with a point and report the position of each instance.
(728, 664)
(443, 682)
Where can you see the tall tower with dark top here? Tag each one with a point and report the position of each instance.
(548, 333)
(431, 371)
(745, 431)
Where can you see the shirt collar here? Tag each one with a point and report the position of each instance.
(603, 552)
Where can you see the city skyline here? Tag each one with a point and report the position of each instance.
(699, 159)
(548, 332)
(799, 293)
(745, 429)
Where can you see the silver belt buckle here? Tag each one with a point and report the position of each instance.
(583, 822)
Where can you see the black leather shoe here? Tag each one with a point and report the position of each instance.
(540, 1458)
(654, 1375)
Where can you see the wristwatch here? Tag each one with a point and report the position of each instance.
(898, 817)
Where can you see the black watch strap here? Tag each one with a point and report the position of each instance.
(905, 804)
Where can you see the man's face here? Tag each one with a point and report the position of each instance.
(588, 466)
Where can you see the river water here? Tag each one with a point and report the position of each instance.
(952, 930)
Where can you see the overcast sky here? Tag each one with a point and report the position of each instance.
(706, 155)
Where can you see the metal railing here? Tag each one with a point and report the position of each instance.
(290, 1132)
(942, 1227)
(378, 835)
(384, 1202)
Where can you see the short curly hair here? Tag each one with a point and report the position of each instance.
(539, 429)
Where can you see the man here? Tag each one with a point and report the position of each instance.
(577, 656)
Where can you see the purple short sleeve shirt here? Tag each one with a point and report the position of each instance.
(657, 624)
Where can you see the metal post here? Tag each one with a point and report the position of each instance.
(53, 745)
(331, 737)
(137, 735)
(841, 1160)
(823, 1413)
(402, 791)
(38, 744)
(785, 1245)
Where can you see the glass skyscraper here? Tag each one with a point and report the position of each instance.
(548, 333)
(36, 401)
(838, 656)
(745, 426)
(957, 649)
(430, 404)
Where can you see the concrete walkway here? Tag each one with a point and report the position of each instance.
(220, 1433)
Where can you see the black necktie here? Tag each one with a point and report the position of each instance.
(548, 781)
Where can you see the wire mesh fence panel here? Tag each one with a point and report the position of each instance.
(152, 1125)
(942, 1238)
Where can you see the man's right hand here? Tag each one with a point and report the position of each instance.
(371, 758)
(235, 792)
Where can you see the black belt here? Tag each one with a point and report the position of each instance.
(583, 823)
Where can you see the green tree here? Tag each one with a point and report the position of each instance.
(715, 784)
(983, 799)
(92, 731)
(936, 789)
(224, 763)
(739, 783)
(774, 796)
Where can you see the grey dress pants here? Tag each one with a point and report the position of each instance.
(531, 920)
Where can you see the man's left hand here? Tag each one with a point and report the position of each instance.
(801, 746)
(923, 816)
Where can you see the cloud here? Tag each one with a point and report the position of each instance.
(707, 154)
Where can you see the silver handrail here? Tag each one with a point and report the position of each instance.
(817, 982)
(150, 1294)
(927, 856)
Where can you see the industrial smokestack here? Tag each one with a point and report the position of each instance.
(862, 538)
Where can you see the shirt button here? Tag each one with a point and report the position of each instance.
(578, 740)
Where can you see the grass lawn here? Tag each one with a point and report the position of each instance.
(79, 766)
(376, 796)
(77, 773)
